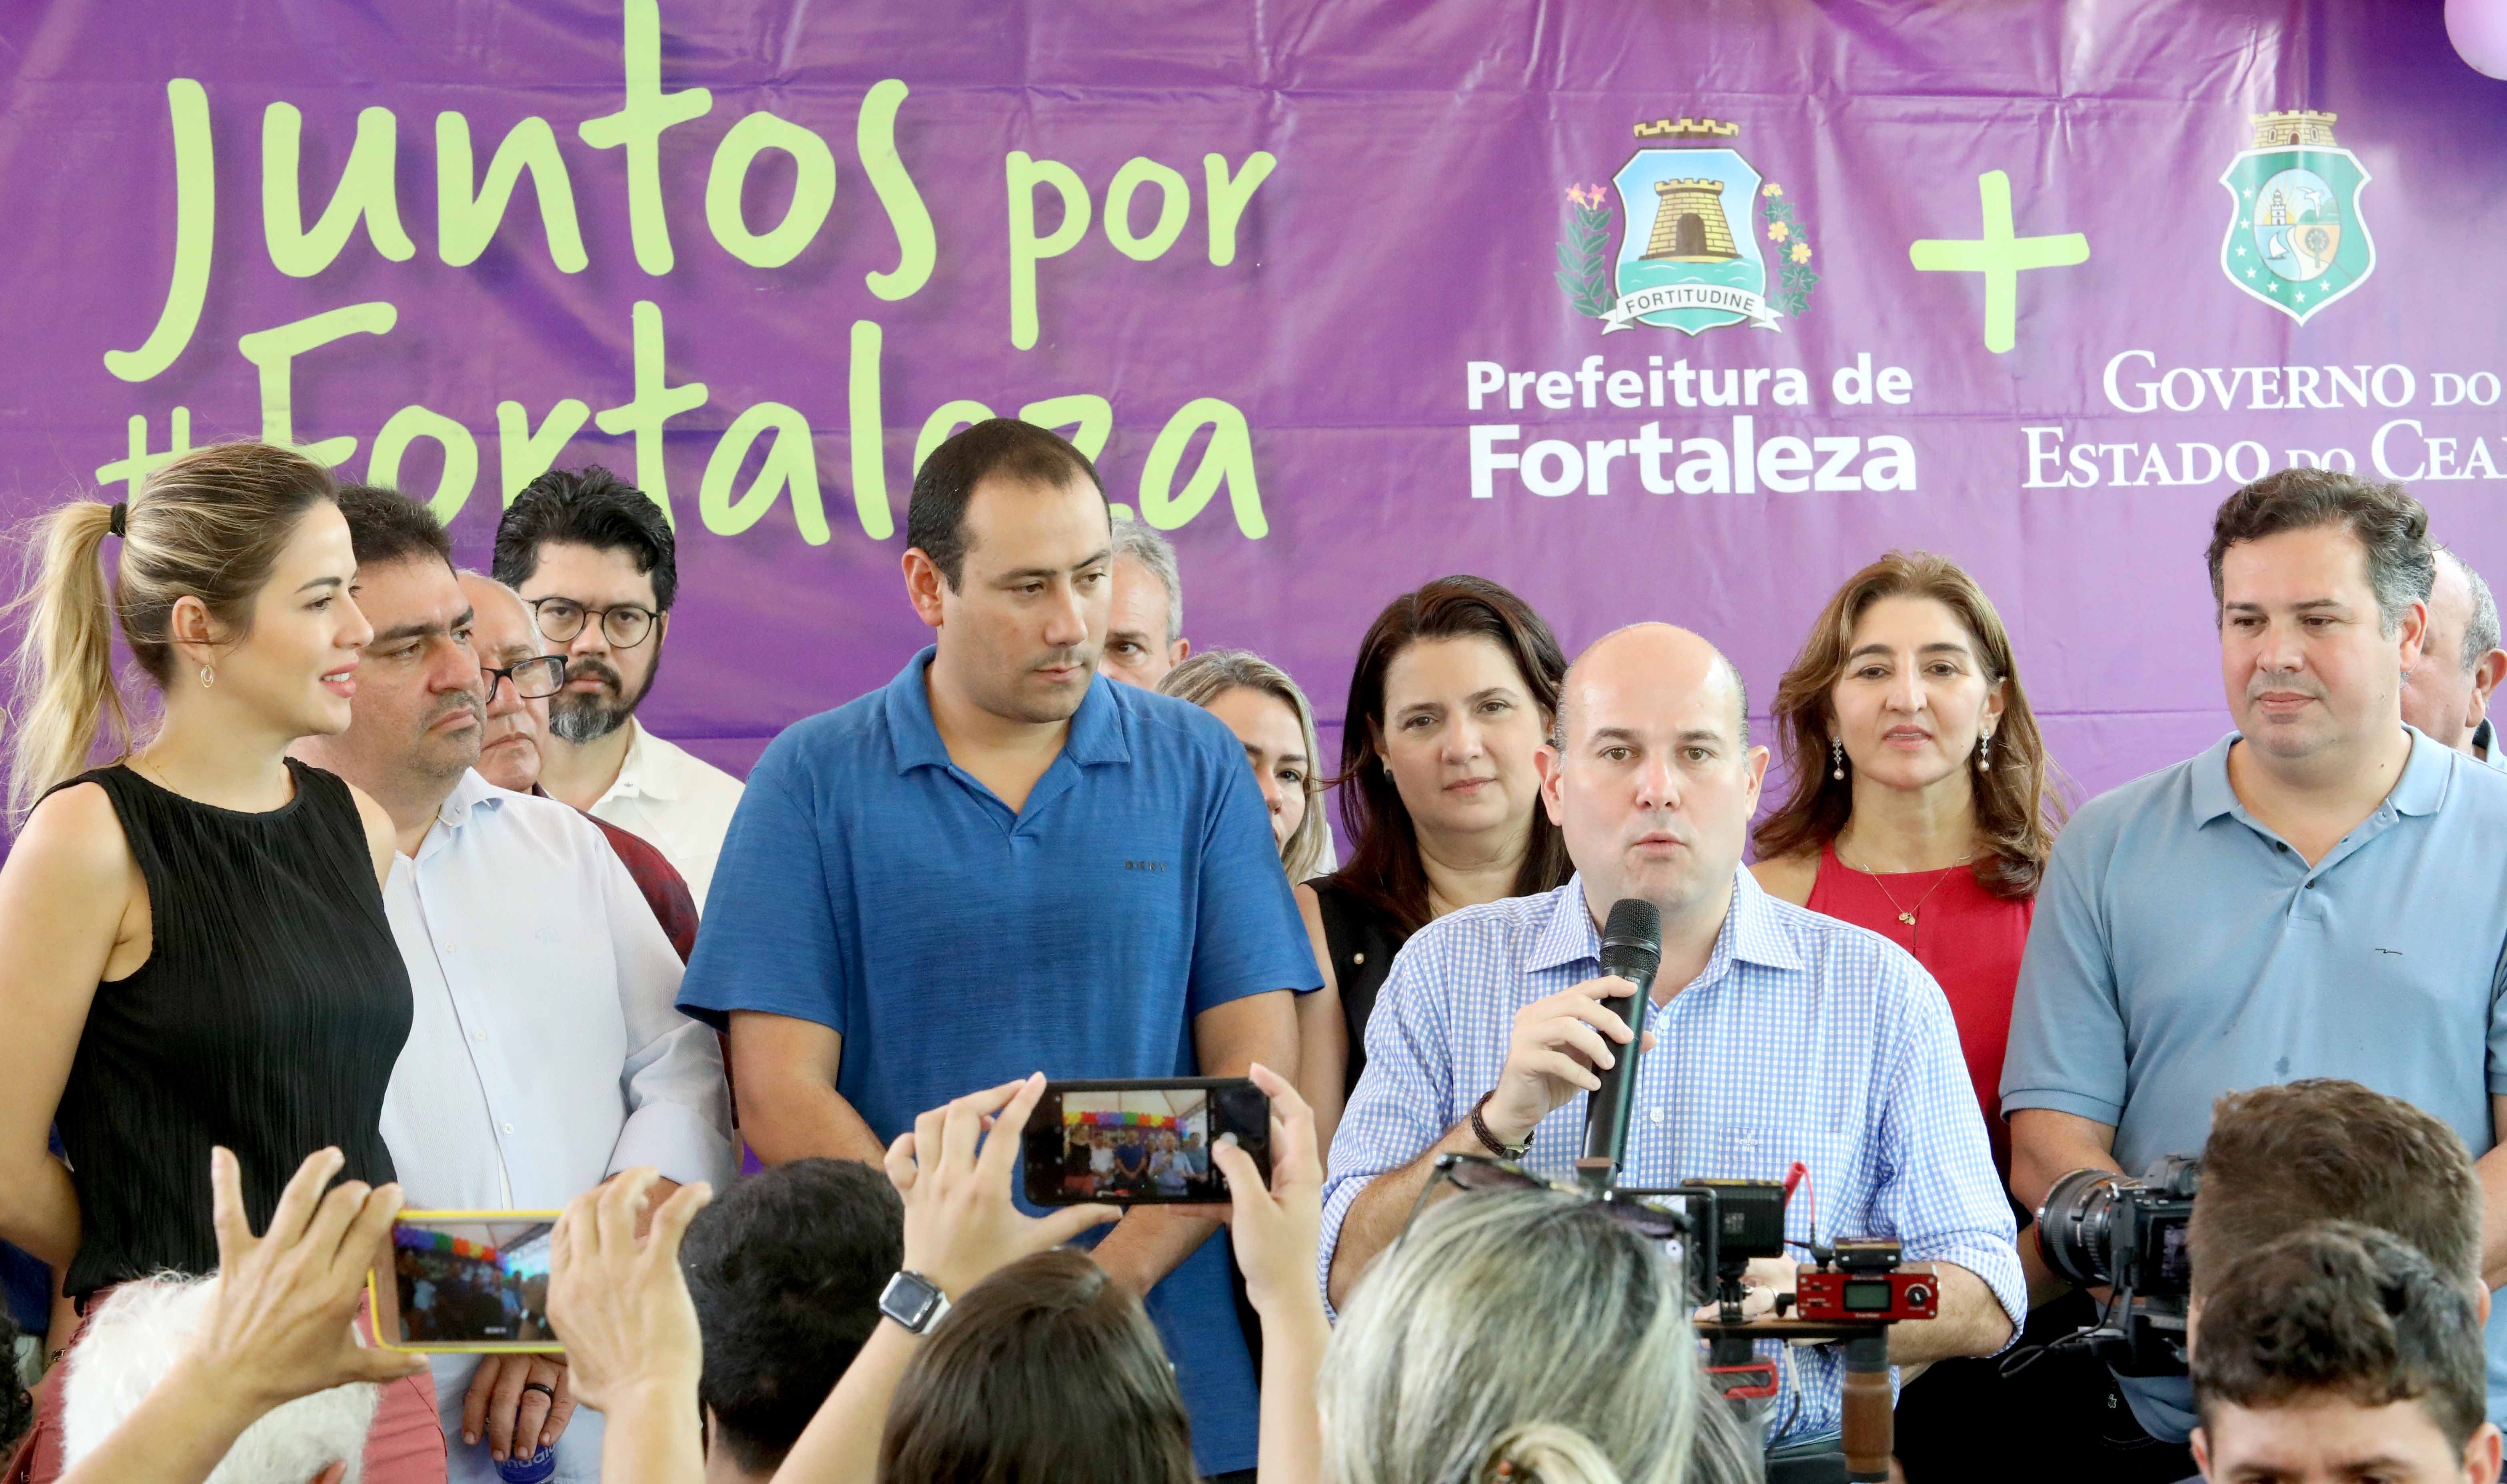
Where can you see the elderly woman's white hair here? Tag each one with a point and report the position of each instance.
(133, 1339)
(1523, 1335)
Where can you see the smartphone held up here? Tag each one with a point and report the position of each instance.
(469, 1281)
(1142, 1143)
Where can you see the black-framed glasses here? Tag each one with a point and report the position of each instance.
(560, 619)
(1657, 1216)
(533, 679)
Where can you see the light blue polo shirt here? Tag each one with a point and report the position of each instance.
(2181, 950)
(870, 885)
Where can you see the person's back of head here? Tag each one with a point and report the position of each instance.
(2327, 1150)
(1523, 1335)
(786, 1269)
(1046, 1371)
(2342, 1352)
(135, 1337)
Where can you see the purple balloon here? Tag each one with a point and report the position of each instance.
(2479, 30)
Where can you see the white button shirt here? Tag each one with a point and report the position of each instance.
(545, 1053)
(675, 799)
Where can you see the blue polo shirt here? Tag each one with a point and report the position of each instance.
(2182, 949)
(870, 885)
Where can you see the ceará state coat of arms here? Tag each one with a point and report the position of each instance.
(2295, 238)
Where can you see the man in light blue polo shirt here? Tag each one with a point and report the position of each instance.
(2447, 695)
(2317, 895)
(1002, 862)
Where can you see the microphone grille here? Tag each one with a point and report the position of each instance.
(1634, 921)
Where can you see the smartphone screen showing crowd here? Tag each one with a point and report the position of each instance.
(472, 1281)
(1142, 1143)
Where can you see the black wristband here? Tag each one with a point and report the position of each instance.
(1480, 1132)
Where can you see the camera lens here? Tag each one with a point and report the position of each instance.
(2076, 1227)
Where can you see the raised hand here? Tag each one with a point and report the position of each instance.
(621, 1304)
(960, 1223)
(1278, 1230)
(282, 1323)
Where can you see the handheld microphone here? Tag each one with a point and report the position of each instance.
(1632, 950)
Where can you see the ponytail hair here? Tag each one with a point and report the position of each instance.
(209, 524)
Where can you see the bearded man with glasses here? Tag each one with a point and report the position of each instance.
(595, 560)
(520, 680)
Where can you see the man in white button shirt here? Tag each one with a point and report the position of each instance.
(545, 1054)
(596, 560)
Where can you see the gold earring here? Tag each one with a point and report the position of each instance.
(208, 677)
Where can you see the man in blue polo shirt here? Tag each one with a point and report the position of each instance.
(1001, 862)
(2317, 895)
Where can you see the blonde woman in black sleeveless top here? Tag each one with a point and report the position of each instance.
(193, 945)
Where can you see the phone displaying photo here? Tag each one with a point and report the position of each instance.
(469, 1281)
(1142, 1143)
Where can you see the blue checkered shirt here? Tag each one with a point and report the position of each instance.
(1805, 1038)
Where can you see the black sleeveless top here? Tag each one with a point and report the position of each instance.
(1362, 939)
(266, 1019)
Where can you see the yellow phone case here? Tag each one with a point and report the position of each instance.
(373, 1300)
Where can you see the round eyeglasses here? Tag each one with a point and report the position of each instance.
(533, 679)
(560, 619)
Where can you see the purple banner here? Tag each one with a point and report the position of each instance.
(1646, 311)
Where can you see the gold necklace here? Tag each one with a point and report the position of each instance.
(1906, 915)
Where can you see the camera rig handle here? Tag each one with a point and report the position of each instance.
(1869, 1426)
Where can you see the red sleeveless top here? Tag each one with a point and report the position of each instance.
(1968, 939)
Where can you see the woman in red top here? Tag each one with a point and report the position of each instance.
(1920, 802)
(1920, 808)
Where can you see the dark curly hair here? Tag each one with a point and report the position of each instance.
(590, 507)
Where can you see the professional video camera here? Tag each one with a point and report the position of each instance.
(2100, 1229)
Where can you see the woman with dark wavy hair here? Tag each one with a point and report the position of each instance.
(1455, 687)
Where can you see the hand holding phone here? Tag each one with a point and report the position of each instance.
(959, 1226)
(286, 1299)
(1142, 1142)
(1276, 1224)
(470, 1282)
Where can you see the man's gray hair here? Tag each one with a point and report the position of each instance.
(135, 1339)
(2480, 631)
(1457, 1356)
(1134, 538)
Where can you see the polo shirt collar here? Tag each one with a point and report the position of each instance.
(2212, 795)
(1750, 934)
(1100, 730)
(2420, 790)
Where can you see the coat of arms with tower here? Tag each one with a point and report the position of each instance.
(1702, 239)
